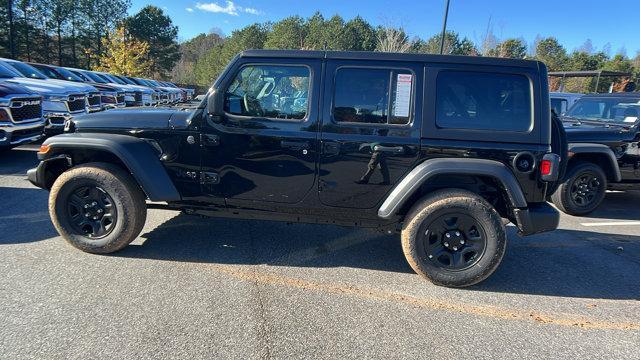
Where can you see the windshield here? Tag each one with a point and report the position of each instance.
(95, 77)
(68, 75)
(126, 80)
(6, 73)
(27, 71)
(617, 110)
(113, 79)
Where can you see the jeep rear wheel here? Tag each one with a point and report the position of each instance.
(454, 238)
(97, 207)
(583, 191)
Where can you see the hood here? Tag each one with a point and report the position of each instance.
(81, 86)
(598, 133)
(105, 87)
(8, 89)
(46, 87)
(129, 120)
(141, 88)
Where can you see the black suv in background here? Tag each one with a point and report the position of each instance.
(604, 148)
(441, 148)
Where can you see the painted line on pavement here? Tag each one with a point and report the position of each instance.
(612, 223)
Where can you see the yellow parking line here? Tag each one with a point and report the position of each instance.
(445, 305)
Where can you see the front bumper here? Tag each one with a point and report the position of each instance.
(17, 134)
(537, 218)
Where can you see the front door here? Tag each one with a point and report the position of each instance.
(265, 147)
(370, 130)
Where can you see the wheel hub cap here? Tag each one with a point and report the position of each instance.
(92, 212)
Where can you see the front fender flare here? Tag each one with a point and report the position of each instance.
(434, 167)
(589, 148)
(136, 154)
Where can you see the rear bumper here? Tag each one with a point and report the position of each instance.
(537, 218)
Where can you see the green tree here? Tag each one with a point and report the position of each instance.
(359, 35)
(510, 48)
(152, 26)
(453, 45)
(191, 51)
(554, 55)
(208, 67)
(288, 33)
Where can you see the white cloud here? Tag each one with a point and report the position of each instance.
(189, 9)
(230, 8)
(253, 11)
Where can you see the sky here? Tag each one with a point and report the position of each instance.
(572, 22)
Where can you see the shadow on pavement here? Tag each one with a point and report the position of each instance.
(564, 263)
(622, 205)
(24, 216)
(17, 161)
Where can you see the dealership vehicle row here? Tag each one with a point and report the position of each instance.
(37, 99)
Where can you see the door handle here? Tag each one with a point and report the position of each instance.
(399, 150)
(295, 145)
(209, 140)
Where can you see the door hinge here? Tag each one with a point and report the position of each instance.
(209, 178)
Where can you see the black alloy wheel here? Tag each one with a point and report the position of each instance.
(454, 241)
(586, 189)
(91, 212)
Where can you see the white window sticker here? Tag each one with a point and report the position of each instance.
(630, 119)
(403, 95)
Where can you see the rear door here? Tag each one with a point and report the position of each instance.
(370, 130)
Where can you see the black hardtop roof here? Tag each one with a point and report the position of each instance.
(386, 56)
(623, 95)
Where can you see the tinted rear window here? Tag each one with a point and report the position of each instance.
(483, 101)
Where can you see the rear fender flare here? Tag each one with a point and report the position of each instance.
(434, 167)
(136, 154)
(588, 148)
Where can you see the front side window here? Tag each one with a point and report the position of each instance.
(272, 91)
(373, 96)
(483, 101)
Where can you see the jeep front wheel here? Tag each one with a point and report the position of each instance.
(454, 238)
(583, 191)
(97, 207)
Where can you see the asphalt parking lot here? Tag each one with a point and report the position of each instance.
(211, 288)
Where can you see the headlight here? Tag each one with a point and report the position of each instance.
(49, 105)
(4, 116)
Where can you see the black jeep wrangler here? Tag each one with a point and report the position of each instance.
(442, 148)
(604, 150)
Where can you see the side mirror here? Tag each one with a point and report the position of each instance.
(214, 108)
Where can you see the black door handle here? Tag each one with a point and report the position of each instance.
(389, 149)
(295, 145)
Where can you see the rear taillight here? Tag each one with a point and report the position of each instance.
(550, 167)
(545, 167)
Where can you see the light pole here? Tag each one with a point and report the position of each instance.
(444, 27)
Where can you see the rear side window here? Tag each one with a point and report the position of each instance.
(373, 96)
(483, 101)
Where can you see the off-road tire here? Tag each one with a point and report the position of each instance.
(454, 201)
(562, 199)
(128, 199)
